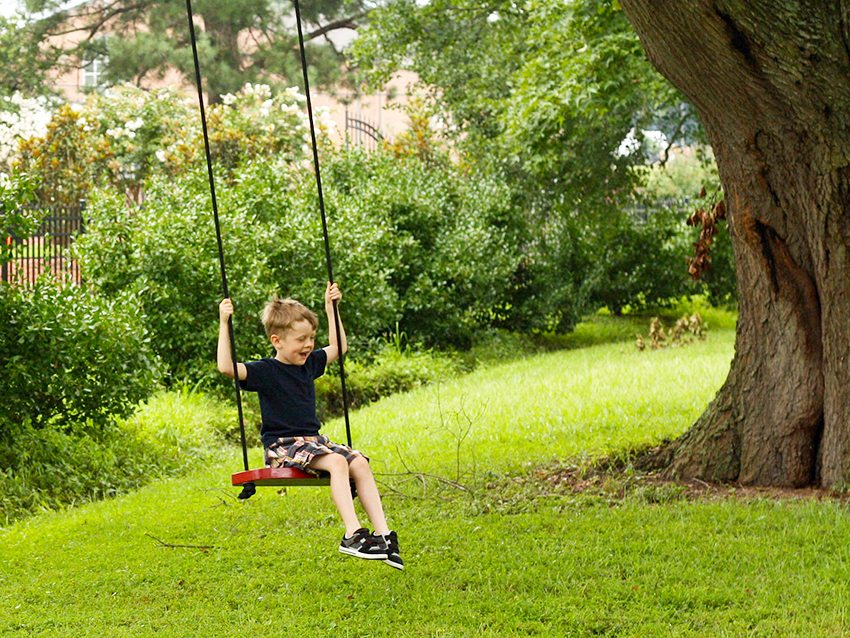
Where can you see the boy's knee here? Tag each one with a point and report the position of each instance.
(360, 466)
(333, 463)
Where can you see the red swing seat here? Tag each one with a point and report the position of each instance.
(278, 476)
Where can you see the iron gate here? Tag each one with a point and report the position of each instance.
(48, 249)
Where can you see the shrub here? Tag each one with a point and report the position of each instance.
(415, 243)
(46, 469)
(51, 468)
(391, 371)
(71, 360)
(163, 255)
(645, 261)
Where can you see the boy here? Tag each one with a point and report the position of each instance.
(290, 427)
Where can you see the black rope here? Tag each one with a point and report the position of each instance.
(324, 217)
(248, 489)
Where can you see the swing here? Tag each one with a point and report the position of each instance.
(249, 479)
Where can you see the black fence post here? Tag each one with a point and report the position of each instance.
(49, 247)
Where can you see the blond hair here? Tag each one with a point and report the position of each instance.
(280, 314)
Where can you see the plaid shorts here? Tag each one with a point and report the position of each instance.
(298, 451)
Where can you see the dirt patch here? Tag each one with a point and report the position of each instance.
(618, 481)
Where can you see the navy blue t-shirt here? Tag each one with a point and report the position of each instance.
(287, 395)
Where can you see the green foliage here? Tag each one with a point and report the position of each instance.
(448, 248)
(684, 174)
(17, 217)
(62, 163)
(720, 280)
(238, 40)
(47, 469)
(120, 137)
(391, 371)
(644, 260)
(163, 256)
(22, 69)
(546, 90)
(71, 360)
(544, 95)
(687, 182)
(414, 242)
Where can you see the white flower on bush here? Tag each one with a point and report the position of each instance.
(134, 124)
(261, 91)
(160, 155)
(294, 93)
(324, 121)
(21, 118)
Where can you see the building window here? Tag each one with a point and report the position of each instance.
(94, 65)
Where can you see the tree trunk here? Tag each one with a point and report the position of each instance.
(771, 82)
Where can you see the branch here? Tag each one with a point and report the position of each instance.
(203, 548)
(106, 14)
(349, 22)
(673, 138)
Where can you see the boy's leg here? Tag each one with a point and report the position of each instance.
(357, 540)
(367, 490)
(370, 498)
(337, 466)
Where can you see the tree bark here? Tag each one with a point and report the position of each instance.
(771, 82)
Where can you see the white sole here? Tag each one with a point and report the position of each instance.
(353, 552)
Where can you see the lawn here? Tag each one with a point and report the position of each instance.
(504, 556)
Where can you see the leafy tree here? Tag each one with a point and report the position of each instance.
(239, 40)
(548, 89)
(769, 80)
(544, 94)
(22, 68)
(125, 134)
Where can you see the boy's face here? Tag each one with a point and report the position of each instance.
(296, 344)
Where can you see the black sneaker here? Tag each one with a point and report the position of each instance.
(363, 545)
(393, 559)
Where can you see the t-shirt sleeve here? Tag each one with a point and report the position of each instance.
(258, 375)
(319, 361)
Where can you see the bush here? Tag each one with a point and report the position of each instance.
(166, 435)
(52, 468)
(415, 243)
(446, 247)
(71, 360)
(645, 261)
(393, 370)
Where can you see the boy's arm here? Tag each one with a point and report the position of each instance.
(223, 355)
(332, 293)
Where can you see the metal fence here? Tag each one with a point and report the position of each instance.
(48, 249)
(362, 132)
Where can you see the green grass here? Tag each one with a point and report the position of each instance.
(591, 401)
(496, 562)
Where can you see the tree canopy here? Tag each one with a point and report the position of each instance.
(551, 89)
(239, 40)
